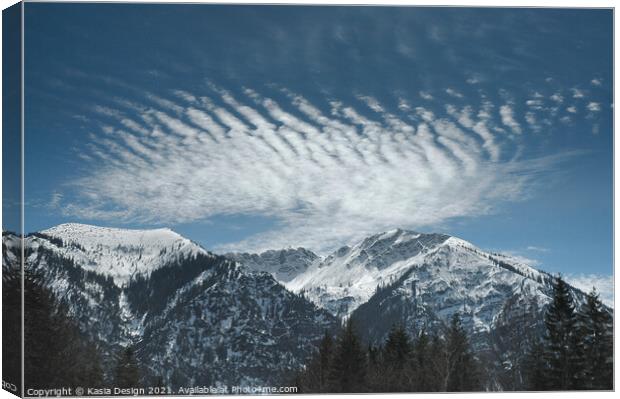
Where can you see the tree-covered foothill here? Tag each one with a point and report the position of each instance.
(569, 348)
(403, 363)
(56, 353)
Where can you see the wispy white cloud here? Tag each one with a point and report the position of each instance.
(55, 199)
(325, 172)
(577, 93)
(473, 80)
(594, 107)
(426, 95)
(604, 285)
(596, 82)
(537, 249)
(454, 93)
(508, 118)
(557, 97)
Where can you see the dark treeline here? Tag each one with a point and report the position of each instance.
(56, 352)
(575, 352)
(424, 363)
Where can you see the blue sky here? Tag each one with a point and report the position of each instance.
(247, 128)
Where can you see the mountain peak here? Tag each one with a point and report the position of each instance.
(76, 229)
(120, 253)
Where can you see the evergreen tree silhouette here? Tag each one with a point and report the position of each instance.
(56, 353)
(397, 348)
(315, 378)
(348, 370)
(396, 360)
(127, 373)
(463, 370)
(535, 367)
(561, 340)
(425, 378)
(596, 334)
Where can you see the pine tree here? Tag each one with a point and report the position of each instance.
(462, 367)
(348, 370)
(535, 366)
(421, 369)
(596, 333)
(127, 374)
(375, 376)
(397, 348)
(560, 345)
(315, 378)
(396, 360)
(439, 364)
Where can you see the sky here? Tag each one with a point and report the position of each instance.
(247, 128)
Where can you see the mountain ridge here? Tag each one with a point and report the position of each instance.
(169, 294)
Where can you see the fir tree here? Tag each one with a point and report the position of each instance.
(439, 364)
(315, 378)
(462, 367)
(396, 360)
(397, 348)
(56, 352)
(535, 366)
(375, 377)
(348, 370)
(425, 378)
(561, 340)
(596, 334)
(127, 373)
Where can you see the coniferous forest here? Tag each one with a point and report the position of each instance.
(575, 352)
(56, 352)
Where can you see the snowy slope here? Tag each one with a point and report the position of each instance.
(118, 253)
(421, 279)
(349, 276)
(284, 264)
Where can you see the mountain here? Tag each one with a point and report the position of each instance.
(420, 280)
(284, 264)
(193, 317)
(197, 318)
(118, 253)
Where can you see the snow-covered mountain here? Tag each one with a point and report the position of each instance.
(193, 316)
(284, 264)
(421, 280)
(200, 318)
(118, 253)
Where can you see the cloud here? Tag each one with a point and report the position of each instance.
(55, 200)
(577, 93)
(426, 95)
(604, 285)
(557, 97)
(454, 93)
(326, 172)
(473, 80)
(596, 82)
(537, 249)
(594, 107)
(571, 109)
(508, 118)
